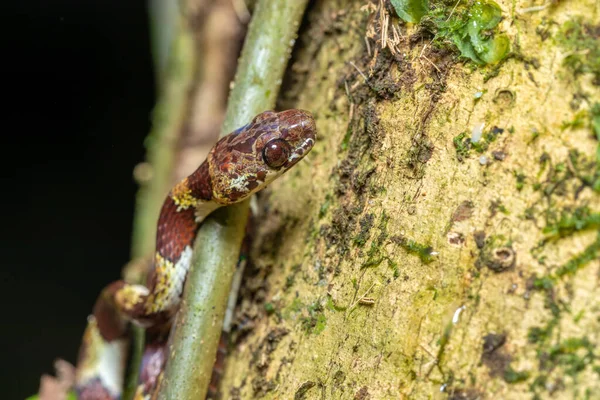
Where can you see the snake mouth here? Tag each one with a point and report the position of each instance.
(301, 150)
(300, 133)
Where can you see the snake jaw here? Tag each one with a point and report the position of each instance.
(297, 128)
(300, 152)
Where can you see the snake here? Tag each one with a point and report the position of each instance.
(237, 166)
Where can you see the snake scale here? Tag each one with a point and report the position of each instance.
(239, 164)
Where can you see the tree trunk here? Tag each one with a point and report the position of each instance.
(441, 239)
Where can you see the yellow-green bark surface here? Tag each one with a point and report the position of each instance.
(400, 261)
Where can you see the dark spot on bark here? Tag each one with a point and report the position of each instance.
(419, 153)
(344, 172)
(383, 77)
(261, 360)
(496, 130)
(496, 359)
(504, 99)
(464, 394)
(366, 223)
(456, 238)
(342, 223)
(261, 386)
(303, 389)
(501, 259)
(493, 341)
(360, 179)
(338, 378)
(463, 212)
(497, 362)
(362, 394)
(499, 155)
(479, 237)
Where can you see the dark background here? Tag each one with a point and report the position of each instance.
(78, 90)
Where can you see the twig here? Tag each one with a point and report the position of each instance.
(359, 71)
(168, 117)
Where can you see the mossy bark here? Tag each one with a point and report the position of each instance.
(402, 260)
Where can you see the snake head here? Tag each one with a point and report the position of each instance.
(248, 159)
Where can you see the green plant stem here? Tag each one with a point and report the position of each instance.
(168, 117)
(163, 24)
(195, 335)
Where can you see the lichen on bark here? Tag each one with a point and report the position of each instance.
(441, 239)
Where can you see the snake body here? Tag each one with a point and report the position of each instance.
(240, 164)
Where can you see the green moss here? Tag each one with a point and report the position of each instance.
(573, 355)
(577, 262)
(325, 206)
(486, 139)
(394, 266)
(579, 121)
(578, 316)
(366, 223)
(291, 278)
(570, 222)
(269, 308)
(331, 306)
(383, 221)
(316, 321)
(443, 341)
(372, 262)
(541, 335)
(595, 123)
(512, 376)
(303, 389)
(594, 181)
(376, 255)
(520, 177)
(543, 283)
(580, 40)
(498, 205)
(289, 281)
(586, 169)
(346, 140)
(472, 27)
(423, 251)
(320, 324)
(295, 307)
(463, 144)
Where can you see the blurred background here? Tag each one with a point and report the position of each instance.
(79, 88)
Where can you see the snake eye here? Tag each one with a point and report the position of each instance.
(276, 153)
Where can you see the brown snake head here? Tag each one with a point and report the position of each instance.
(251, 157)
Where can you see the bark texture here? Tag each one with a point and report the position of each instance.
(407, 259)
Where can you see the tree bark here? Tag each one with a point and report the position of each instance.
(441, 240)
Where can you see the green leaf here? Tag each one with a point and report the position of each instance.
(484, 15)
(411, 10)
(466, 49)
(70, 396)
(495, 49)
